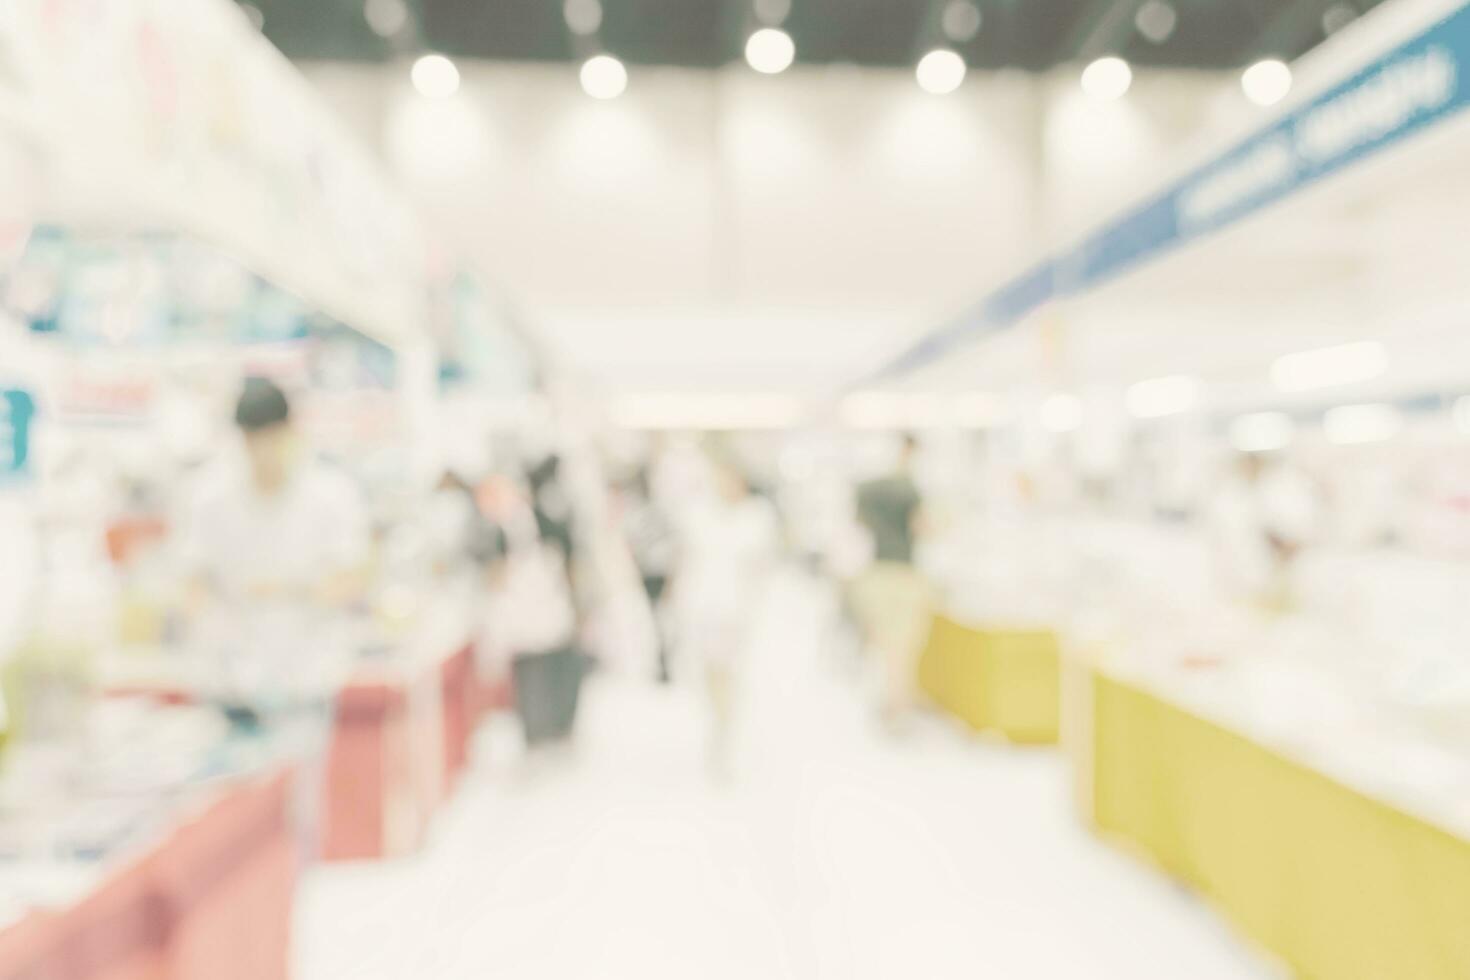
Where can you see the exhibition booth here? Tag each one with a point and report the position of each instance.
(1271, 710)
(180, 212)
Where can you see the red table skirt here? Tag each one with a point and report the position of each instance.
(212, 901)
(461, 712)
(370, 809)
(399, 747)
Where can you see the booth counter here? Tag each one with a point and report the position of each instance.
(402, 739)
(994, 679)
(992, 657)
(210, 897)
(404, 721)
(1346, 857)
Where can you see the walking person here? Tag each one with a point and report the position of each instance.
(651, 539)
(729, 546)
(891, 598)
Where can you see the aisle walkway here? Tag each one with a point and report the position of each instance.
(836, 854)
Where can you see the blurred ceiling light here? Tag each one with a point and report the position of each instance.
(385, 17)
(978, 410)
(604, 77)
(1261, 432)
(770, 51)
(254, 14)
(708, 411)
(940, 72)
(1266, 82)
(772, 11)
(1156, 21)
(1329, 367)
(1061, 413)
(960, 21)
(1159, 397)
(584, 17)
(923, 410)
(435, 76)
(1337, 16)
(1107, 79)
(1349, 425)
(872, 410)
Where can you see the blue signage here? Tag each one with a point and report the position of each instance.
(17, 411)
(1416, 85)
(1409, 89)
(1007, 306)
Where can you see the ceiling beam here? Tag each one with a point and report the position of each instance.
(736, 21)
(1103, 27)
(580, 46)
(411, 38)
(927, 32)
(1291, 32)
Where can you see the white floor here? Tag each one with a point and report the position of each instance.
(836, 853)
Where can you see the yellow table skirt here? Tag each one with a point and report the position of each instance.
(1005, 681)
(1338, 885)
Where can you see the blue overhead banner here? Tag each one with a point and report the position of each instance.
(1024, 294)
(1405, 91)
(1002, 309)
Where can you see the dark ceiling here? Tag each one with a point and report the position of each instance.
(1033, 34)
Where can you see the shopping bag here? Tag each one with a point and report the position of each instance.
(548, 687)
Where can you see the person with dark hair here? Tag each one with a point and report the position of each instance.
(651, 539)
(282, 525)
(552, 504)
(891, 598)
(277, 542)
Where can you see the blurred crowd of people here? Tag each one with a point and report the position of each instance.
(710, 536)
(277, 546)
(284, 558)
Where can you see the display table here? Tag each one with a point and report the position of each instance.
(994, 679)
(1337, 882)
(402, 735)
(403, 726)
(212, 899)
(385, 768)
(461, 697)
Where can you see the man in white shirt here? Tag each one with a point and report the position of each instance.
(277, 542)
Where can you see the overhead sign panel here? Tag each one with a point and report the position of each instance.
(1416, 85)
(1407, 90)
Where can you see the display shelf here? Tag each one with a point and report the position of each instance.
(208, 131)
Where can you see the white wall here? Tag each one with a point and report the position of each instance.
(1099, 157)
(744, 232)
